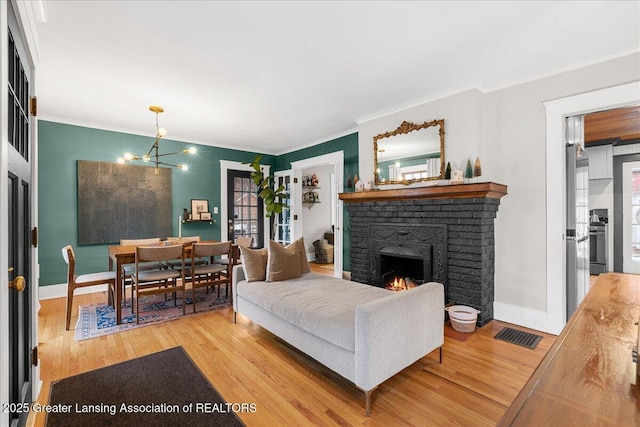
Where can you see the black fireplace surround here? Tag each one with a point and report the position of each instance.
(453, 235)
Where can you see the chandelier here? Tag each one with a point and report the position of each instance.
(154, 152)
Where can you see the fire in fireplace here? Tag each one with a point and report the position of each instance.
(402, 267)
(401, 284)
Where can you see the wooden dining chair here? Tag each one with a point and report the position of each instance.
(241, 241)
(127, 269)
(213, 274)
(186, 241)
(151, 282)
(78, 281)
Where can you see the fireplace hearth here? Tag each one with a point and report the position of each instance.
(441, 233)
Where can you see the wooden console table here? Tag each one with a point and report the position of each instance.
(588, 378)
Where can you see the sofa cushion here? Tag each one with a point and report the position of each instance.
(321, 305)
(283, 262)
(254, 263)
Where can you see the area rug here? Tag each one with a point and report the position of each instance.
(96, 320)
(161, 389)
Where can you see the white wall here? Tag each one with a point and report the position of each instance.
(317, 220)
(506, 129)
(462, 114)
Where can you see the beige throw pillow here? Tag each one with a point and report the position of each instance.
(283, 263)
(304, 264)
(254, 264)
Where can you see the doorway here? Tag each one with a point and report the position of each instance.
(331, 167)
(626, 213)
(245, 210)
(556, 112)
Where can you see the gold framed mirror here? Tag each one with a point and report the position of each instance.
(410, 153)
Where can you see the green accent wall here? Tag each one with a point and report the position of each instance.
(349, 145)
(60, 146)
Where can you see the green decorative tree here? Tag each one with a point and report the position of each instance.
(447, 172)
(468, 171)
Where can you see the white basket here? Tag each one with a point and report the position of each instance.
(463, 318)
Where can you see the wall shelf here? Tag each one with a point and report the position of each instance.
(309, 197)
(210, 221)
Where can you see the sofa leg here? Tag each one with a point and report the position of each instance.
(234, 316)
(440, 354)
(367, 400)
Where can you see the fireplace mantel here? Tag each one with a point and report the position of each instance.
(489, 190)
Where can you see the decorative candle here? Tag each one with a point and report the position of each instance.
(180, 227)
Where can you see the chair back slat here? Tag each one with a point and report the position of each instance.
(158, 253)
(136, 242)
(210, 249)
(70, 258)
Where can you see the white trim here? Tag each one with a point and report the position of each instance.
(556, 112)
(532, 319)
(225, 166)
(317, 141)
(337, 160)
(60, 291)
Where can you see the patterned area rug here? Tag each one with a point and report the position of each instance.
(96, 320)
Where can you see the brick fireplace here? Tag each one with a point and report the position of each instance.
(439, 233)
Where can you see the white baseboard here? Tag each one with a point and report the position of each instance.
(520, 316)
(60, 291)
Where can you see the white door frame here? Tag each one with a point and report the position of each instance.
(337, 160)
(556, 112)
(226, 165)
(628, 265)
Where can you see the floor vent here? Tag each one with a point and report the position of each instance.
(525, 339)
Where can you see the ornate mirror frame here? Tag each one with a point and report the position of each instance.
(404, 128)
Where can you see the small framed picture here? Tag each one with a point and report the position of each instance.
(198, 206)
(205, 215)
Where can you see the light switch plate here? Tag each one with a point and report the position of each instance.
(215, 210)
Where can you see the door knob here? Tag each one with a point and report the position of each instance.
(18, 283)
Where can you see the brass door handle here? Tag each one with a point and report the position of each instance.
(18, 283)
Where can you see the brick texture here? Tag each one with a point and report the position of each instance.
(470, 243)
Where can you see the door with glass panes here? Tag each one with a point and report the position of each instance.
(286, 223)
(245, 208)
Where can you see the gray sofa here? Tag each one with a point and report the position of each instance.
(364, 333)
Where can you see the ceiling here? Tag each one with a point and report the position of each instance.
(272, 77)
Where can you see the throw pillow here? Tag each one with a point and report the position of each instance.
(283, 263)
(304, 264)
(254, 264)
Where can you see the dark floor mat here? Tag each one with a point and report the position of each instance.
(524, 339)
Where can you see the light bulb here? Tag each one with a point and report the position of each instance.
(192, 150)
(146, 158)
(162, 131)
(120, 160)
(183, 167)
(128, 157)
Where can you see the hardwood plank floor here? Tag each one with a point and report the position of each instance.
(477, 380)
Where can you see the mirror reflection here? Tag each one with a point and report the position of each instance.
(410, 153)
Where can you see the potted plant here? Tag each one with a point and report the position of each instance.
(275, 199)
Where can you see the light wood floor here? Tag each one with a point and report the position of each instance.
(477, 380)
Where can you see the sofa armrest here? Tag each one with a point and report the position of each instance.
(396, 331)
(236, 277)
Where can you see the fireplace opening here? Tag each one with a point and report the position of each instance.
(402, 268)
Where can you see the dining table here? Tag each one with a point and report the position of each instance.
(120, 255)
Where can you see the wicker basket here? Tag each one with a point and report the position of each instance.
(463, 318)
(324, 252)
